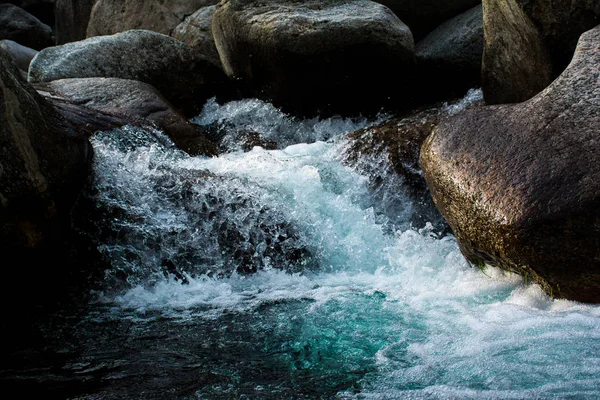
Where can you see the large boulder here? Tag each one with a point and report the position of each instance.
(71, 20)
(423, 16)
(516, 63)
(316, 55)
(449, 58)
(136, 100)
(20, 55)
(18, 25)
(114, 16)
(43, 166)
(185, 78)
(520, 183)
(196, 32)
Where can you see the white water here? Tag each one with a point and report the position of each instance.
(405, 308)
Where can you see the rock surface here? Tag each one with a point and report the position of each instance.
(520, 184)
(328, 56)
(423, 16)
(43, 165)
(71, 20)
(196, 32)
(18, 25)
(173, 68)
(135, 100)
(113, 16)
(449, 58)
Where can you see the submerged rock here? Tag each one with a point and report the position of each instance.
(183, 222)
(520, 184)
(449, 58)
(330, 56)
(18, 25)
(71, 20)
(423, 16)
(185, 78)
(114, 16)
(196, 32)
(135, 100)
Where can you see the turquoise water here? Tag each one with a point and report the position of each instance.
(340, 306)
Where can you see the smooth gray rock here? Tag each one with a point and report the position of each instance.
(520, 184)
(449, 58)
(18, 25)
(196, 32)
(182, 76)
(136, 100)
(312, 56)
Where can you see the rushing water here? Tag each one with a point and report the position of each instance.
(269, 274)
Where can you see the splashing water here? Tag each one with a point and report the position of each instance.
(336, 307)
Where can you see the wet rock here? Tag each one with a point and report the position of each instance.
(217, 226)
(20, 55)
(137, 101)
(113, 16)
(516, 63)
(182, 76)
(196, 32)
(449, 58)
(520, 184)
(18, 25)
(423, 16)
(71, 20)
(328, 56)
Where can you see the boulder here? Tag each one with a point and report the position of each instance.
(20, 55)
(114, 16)
(423, 16)
(324, 56)
(18, 25)
(43, 166)
(41, 9)
(520, 183)
(196, 32)
(71, 20)
(516, 63)
(182, 76)
(134, 100)
(449, 58)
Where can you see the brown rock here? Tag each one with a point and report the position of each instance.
(520, 184)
